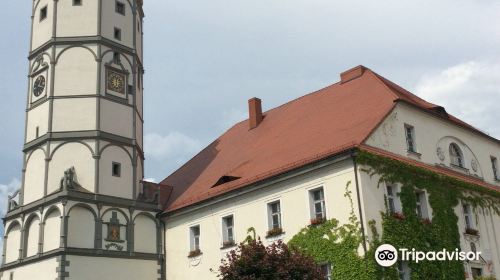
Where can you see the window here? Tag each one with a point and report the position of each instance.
(410, 138)
(118, 34)
(317, 198)
(274, 210)
(494, 166)
(43, 13)
(469, 222)
(228, 230)
(116, 57)
(116, 169)
(391, 203)
(37, 132)
(456, 155)
(77, 2)
(326, 271)
(476, 272)
(473, 247)
(403, 271)
(130, 89)
(194, 232)
(421, 205)
(11, 277)
(120, 8)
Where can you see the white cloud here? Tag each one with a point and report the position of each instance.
(172, 148)
(469, 90)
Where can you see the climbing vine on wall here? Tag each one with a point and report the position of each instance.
(340, 245)
(337, 244)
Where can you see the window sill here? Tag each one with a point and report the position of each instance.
(194, 254)
(228, 246)
(414, 154)
(275, 236)
(459, 168)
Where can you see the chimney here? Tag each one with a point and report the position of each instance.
(255, 112)
(352, 74)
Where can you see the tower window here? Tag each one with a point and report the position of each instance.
(120, 8)
(116, 169)
(130, 90)
(43, 13)
(77, 2)
(410, 138)
(117, 34)
(37, 133)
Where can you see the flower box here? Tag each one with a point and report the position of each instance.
(471, 231)
(398, 216)
(194, 253)
(274, 232)
(426, 221)
(317, 221)
(227, 244)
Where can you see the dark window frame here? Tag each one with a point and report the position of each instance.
(44, 13)
(116, 169)
(117, 34)
(77, 2)
(120, 8)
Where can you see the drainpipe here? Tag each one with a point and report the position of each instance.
(353, 155)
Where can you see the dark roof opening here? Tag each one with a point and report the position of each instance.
(225, 179)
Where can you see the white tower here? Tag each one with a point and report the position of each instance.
(80, 213)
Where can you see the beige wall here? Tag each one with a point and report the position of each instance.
(250, 210)
(112, 185)
(145, 228)
(32, 237)
(77, 20)
(111, 19)
(75, 71)
(81, 228)
(111, 268)
(45, 269)
(35, 172)
(37, 117)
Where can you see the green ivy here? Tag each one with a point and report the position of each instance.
(339, 245)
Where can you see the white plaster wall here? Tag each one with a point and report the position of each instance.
(42, 30)
(144, 234)
(75, 114)
(429, 131)
(12, 243)
(111, 268)
(250, 210)
(75, 72)
(111, 185)
(69, 155)
(42, 270)
(111, 19)
(32, 239)
(81, 228)
(52, 231)
(34, 177)
(37, 117)
(116, 118)
(77, 20)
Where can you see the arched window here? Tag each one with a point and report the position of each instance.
(456, 155)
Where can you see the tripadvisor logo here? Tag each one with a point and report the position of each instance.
(386, 255)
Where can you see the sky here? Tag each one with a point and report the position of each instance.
(205, 59)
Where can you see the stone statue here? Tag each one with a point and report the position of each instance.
(69, 179)
(13, 204)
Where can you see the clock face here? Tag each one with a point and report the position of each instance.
(39, 86)
(116, 82)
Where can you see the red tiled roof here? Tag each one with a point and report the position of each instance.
(310, 128)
